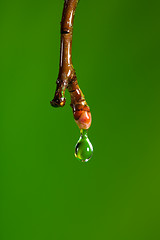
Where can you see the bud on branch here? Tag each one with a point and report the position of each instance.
(67, 76)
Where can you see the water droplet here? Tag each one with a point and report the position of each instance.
(84, 148)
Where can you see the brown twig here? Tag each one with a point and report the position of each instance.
(67, 76)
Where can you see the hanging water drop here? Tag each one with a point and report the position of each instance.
(84, 148)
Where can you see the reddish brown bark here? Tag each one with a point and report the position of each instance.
(67, 76)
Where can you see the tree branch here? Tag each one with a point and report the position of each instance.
(67, 76)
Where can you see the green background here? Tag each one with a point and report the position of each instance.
(45, 192)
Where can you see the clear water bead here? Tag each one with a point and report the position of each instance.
(84, 148)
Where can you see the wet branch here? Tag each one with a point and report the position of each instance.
(67, 76)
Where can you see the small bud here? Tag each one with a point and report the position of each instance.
(84, 121)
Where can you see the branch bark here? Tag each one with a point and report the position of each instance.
(67, 76)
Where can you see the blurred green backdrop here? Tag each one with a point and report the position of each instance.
(46, 193)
